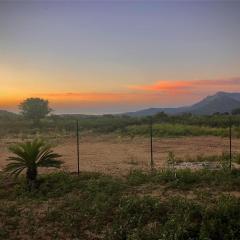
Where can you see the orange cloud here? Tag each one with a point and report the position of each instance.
(163, 86)
(232, 84)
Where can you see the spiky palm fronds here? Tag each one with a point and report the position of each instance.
(30, 156)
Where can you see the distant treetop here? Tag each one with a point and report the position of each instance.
(35, 109)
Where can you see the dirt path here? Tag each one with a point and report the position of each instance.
(117, 156)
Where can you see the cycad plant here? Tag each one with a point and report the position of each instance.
(30, 156)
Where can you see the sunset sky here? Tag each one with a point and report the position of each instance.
(116, 56)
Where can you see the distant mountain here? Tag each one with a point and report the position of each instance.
(4, 113)
(220, 102)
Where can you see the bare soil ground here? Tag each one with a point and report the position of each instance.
(118, 155)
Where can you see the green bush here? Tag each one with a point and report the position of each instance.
(176, 130)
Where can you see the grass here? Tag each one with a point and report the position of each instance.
(204, 158)
(197, 158)
(96, 206)
(187, 179)
(176, 130)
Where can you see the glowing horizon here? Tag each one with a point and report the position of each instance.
(109, 57)
(187, 93)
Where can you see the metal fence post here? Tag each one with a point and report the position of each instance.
(230, 143)
(151, 143)
(78, 170)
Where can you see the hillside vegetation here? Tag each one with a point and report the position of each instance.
(164, 125)
(163, 205)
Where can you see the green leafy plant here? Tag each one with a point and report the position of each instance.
(224, 161)
(171, 161)
(30, 156)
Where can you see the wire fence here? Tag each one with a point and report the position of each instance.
(118, 154)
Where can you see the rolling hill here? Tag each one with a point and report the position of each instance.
(220, 102)
(7, 115)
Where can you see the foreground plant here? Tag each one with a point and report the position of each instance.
(30, 156)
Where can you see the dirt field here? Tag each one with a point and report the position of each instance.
(117, 156)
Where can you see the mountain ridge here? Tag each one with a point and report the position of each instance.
(220, 102)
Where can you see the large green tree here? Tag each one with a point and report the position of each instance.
(35, 109)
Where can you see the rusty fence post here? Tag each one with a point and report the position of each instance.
(230, 143)
(151, 144)
(78, 158)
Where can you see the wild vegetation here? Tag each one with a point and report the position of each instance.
(164, 125)
(160, 205)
